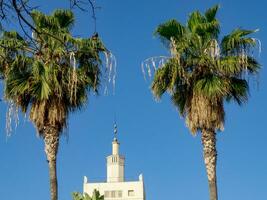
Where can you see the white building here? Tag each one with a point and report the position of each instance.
(115, 187)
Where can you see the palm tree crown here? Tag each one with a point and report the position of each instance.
(204, 70)
(52, 74)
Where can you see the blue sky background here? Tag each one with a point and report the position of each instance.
(153, 137)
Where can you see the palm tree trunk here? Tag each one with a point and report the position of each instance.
(51, 139)
(210, 158)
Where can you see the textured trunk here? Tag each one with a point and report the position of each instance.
(210, 158)
(51, 139)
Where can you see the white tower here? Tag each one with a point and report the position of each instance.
(115, 187)
(115, 162)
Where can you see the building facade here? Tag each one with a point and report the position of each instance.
(115, 187)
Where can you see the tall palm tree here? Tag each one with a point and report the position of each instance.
(50, 76)
(202, 73)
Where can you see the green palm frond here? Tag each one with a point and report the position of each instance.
(12, 35)
(211, 13)
(238, 91)
(208, 29)
(40, 85)
(236, 42)
(77, 196)
(64, 18)
(170, 29)
(167, 78)
(231, 65)
(179, 98)
(212, 86)
(252, 65)
(58, 21)
(195, 20)
(204, 25)
(96, 196)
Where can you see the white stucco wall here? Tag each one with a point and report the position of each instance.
(131, 190)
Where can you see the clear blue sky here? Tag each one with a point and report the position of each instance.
(153, 137)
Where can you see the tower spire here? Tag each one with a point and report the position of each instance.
(115, 130)
(115, 143)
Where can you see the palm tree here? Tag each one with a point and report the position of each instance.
(202, 73)
(50, 76)
(96, 196)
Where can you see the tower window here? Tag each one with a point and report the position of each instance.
(130, 193)
(107, 194)
(113, 194)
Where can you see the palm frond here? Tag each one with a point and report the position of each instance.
(211, 13)
(64, 18)
(194, 20)
(212, 86)
(170, 29)
(236, 65)
(238, 91)
(237, 43)
(168, 77)
(179, 98)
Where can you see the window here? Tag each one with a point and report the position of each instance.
(107, 194)
(113, 194)
(130, 193)
(119, 193)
